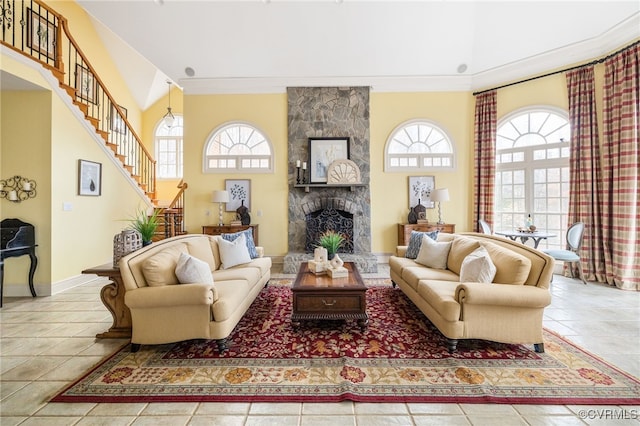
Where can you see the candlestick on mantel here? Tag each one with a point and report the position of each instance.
(304, 166)
(298, 164)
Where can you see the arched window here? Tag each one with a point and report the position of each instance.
(419, 145)
(168, 144)
(532, 171)
(237, 148)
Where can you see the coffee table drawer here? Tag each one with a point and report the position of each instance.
(329, 303)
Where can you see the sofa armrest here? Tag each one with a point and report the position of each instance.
(401, 251)
(525, 296)
(171, 295)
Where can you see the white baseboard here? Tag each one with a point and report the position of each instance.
(16, 290)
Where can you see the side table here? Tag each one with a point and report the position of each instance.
(112, 296)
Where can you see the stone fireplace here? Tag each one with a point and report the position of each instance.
(329, 112)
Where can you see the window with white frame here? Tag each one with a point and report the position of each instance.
(532, 172)
(238, 148)
(419, 145)
(168, 143)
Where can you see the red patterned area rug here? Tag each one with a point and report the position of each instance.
(400, 357)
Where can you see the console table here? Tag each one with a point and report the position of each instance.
(112, 296)
(404, 230)
(230, 229)
(17, 238)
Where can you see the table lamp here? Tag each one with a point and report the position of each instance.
(439, 195)
(220, 197)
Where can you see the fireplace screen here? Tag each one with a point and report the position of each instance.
(329, 219)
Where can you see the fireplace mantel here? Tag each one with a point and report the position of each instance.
(309, 186)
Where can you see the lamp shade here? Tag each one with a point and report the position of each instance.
(220, 197)
(440, 194)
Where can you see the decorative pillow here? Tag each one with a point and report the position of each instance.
(159, 269)
(248, 235)
(234, 252)
(415, 241)
(460, 249)
(477, 267)
(191, 270)
(511, 267)
(433, 254)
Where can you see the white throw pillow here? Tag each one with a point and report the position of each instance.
(477, 267)
(433, 254)
(191, 270)
(234, 252)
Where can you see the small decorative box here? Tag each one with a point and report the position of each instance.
(317, 267)
(340, 272)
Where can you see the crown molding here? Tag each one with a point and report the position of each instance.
(624, 33)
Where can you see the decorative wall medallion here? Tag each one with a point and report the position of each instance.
(343, 171)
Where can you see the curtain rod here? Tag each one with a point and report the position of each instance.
(594, 62)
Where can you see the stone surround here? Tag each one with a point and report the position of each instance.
(329, 112)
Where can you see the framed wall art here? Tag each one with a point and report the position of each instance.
(420, 188)
(89, 178)
(239, 191)
(322, 152)
(41, 34)
(117, 123)
(86, 84)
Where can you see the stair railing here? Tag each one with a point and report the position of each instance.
(174, 214)
(39, 32)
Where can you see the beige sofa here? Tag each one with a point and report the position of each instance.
(164, 311)
(509, 310)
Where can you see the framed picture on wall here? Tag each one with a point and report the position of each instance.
(322, 152)
(239, 192)
(85, 84)
(420, 188)
(41, 34)
(117, 122)
(89, 178)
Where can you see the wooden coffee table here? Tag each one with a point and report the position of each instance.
(319, 297)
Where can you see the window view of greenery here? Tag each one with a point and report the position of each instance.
(169, 149)
(532, 174)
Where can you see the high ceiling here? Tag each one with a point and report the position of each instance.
(254, 46)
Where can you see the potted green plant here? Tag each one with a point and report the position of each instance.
(331, 240)
(145, 224)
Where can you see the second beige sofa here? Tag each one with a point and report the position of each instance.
(507, 310)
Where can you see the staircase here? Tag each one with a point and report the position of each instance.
(35, 30)
(171, 221)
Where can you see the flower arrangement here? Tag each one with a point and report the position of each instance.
(331, 240)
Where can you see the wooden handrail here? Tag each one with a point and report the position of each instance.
(178, 198)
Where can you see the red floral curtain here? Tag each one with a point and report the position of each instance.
(585, 172)
(620, 168)
(484, 170)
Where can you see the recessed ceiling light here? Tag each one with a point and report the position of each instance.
(159, 2)
(190, 72)
(462, 68)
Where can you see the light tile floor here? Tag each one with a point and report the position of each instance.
(48, 342)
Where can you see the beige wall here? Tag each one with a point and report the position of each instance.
(202, 115)
(26, 151)
(389, 191)
(42, 138)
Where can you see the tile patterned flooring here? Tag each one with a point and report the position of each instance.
(48, 342)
